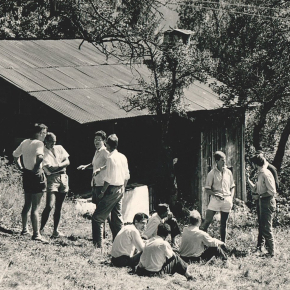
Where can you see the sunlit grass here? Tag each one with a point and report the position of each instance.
(71, 262)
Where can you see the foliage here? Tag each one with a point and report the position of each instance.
(10, 193)
(72, 263)
(251, 43)
(37, 19)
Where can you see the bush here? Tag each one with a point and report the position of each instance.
(11, 199)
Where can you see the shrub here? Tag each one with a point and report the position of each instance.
(10, 193)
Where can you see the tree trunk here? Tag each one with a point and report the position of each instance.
(277, 162)
(258, 128)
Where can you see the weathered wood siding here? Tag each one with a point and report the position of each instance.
(225, 134)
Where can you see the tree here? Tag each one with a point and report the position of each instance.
(251, 42)
(41, 19)
(132, 32)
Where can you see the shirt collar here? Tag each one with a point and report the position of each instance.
(223, 169)
(101, 148)
(111, 153)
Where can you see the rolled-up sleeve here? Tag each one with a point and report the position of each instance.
(126, 169)
(209, 180)
(18, 151)
(270, 183)
(232, 182)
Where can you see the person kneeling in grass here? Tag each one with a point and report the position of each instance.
(158, 257)
(162, 215)
(194, 242)
(127, 240)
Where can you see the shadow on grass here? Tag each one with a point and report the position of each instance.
(6, 231)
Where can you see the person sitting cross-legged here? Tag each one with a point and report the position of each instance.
(127, 240)
(198, 245)
(158, 257)
(162, 215)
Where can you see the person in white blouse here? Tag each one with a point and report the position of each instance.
(55, 161)
(98, 165)
(34, 181)
(127, 241)
(110, 199)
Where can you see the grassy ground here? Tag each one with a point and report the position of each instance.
(72, 263)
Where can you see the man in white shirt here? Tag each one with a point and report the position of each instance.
(55, 161)
(115, 181)
(265, 192)
(158, 257)
(220, 186)
(196, 244)
(34, 181)
(127, 240)
(162, 214)
(98, 165)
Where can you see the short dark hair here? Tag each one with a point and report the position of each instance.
(194, 217)
(50, 136)
(138, 217)
(163, 230)
(112, 141)
(258, 159)
(37, 128)
(218, 155)
(102, 134)
(162, 208)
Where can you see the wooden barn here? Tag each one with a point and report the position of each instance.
(74, 91)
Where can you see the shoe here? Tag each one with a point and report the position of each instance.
(25, 233)
(56, 235)
(267, 255)
(40, 239)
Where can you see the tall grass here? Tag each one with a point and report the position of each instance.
(71, 263)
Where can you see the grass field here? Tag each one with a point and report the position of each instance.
(71, 262)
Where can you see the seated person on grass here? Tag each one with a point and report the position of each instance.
(158, 257)
(162, 215)
(127, 239)
(197, 245)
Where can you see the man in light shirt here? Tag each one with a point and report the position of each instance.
(162, 215)
(98, 165)
(158, 257)
(221, 188)
(196, 244)
(264, 191)
(127, 240)
(55, 161)
(34, 181)
(115, 181)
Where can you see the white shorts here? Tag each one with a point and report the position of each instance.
(216, 204)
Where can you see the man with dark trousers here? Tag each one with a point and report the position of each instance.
(110, 198)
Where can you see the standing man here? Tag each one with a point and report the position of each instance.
(110, 198)
(34, 181)
(54, 163)
(221, 188)
(264, 191)
(98, 164)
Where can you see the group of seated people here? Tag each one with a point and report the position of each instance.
(143, 246)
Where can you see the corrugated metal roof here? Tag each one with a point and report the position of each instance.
(80, 83)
